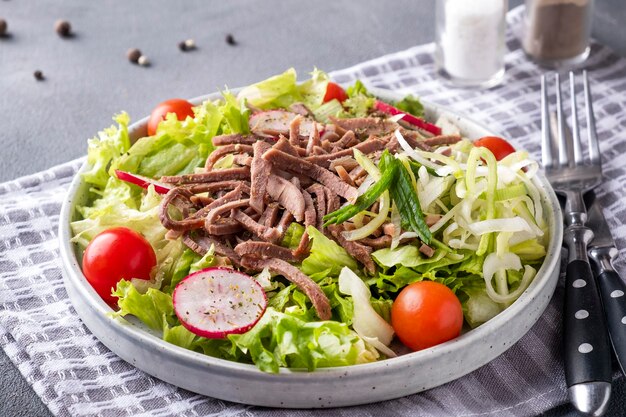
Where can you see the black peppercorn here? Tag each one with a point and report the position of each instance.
(230, 39)
(39, 75)
(133, 55)
(187, 45)
(3, 27)
(63, 28)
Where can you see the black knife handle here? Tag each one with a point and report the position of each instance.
(613, 291)
(586, 344)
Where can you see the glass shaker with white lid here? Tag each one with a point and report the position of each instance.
(471, 41)
(556, 32)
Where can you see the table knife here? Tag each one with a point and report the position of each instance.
(602, 252)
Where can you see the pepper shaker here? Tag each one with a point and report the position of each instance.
(556, 32)
(470, 41)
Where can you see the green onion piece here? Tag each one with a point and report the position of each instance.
(331, 108)
(364, 200)
(510, 192)
(405, 197)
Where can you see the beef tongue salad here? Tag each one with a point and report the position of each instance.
(303, 225)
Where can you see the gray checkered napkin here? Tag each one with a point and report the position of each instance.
(75, 375)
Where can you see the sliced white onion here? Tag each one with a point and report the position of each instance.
(365, 321)
(494, 263)
(365, 185)
(514, 224)
(412, 153)
(396, 220)
(396, 118)
(375, 223)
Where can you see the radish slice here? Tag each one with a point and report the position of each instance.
(216, 302)
(415, 121)
(143, 182)
(277, 122)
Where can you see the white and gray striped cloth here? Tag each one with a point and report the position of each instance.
(75, 375)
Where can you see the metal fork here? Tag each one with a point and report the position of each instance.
(586, 345)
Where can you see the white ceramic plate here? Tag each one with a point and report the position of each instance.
(330, 387)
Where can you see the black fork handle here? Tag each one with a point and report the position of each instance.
(585, 336)
(586, 345)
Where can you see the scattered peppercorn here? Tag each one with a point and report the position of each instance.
(63, 28)
(39, 75)
(187, 45)
(230, 39)
(133, 55)
(143, 61)
(3, 27)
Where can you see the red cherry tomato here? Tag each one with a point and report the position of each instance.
(182, 109)
(498, 146)
(334, 91)
(114, 254)
(425, 314)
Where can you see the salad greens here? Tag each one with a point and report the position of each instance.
(487, 230)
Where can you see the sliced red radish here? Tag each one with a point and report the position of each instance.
(415, 121)
(143, 182)
(271, 123)
(216, 302)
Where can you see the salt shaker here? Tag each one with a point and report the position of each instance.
(470, 41)
(556, 32)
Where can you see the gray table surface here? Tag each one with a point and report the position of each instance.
(88, 78)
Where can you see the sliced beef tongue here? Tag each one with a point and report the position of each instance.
(216, 212)
(283, 145)
(270, 215)
(320, 202)
(294, 131)
(287, 194)
(310, 217)
(303, 282)
(322, 175)
(442, 140)
(263, 232)
(235, 138)
(259, 176)
(202, 244)
(367, 147)
(314, 142)
(241, 173)
(358, 251)
(264, 250)
(181, 199)
(381, 242)
(367, 126)
(222, 151)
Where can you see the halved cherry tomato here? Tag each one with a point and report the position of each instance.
(334, 91)
(114, 254)
(425, 314)
(498, 146)
(181, 108)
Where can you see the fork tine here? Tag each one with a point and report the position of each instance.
(546, 138)
(562, 140)
(594, 148)
(578, 153)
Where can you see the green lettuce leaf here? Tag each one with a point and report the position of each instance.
(178, 147)
(293, 235)
(154, 308)
(326, 254)
(411, 105)
(359, 101)
(102, 149)
(282, 340)
(235, 114)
